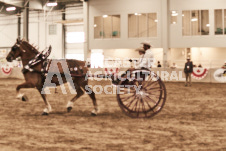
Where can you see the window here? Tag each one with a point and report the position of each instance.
(220, 21)
(152, 25)
(142, 25)
(186, 27)
(174, 15)
(133, 26)
(52, 29)
(116, 26)
(107, 26)
(75, 37)
(98, 27)
(205, 22)
(195, 22)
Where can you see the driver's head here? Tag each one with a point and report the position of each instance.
(146, 45)
(141, 51)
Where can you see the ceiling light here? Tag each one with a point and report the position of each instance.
(175, 14)
(137, 14)
(105, 16)
(10, 8)
(194, 19)
(207, 25)
(156, 20)
(51, 3)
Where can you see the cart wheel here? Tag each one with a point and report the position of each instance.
(143, 95)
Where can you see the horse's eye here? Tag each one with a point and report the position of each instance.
(14, 48)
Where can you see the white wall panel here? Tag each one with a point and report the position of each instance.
(122, 8)
(8, 30)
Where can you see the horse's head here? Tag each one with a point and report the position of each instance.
(16, 51)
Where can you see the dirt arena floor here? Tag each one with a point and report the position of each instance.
(193, 118)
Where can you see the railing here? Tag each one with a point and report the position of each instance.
(169, 63)
(117, 63)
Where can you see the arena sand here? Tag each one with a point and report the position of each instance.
(193, 118)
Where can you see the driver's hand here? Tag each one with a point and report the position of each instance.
(131, 69)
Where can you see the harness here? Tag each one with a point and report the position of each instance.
(40, 57)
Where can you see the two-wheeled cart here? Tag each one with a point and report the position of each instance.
(141, 93)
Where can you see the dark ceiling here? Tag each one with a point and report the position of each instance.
(33, 5)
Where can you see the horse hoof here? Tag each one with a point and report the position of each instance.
(24, 98)
(44, 113)
(93, 114)
(69, 109)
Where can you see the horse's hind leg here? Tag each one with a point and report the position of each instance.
(71, 102)
(91, 94)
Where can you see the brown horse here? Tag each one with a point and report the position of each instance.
(35, 78)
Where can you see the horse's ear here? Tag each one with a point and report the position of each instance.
(18, 41)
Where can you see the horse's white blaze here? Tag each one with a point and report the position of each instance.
(70, 104)
(19, 95)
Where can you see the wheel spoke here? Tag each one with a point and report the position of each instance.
(154, 89)
(151, 99)
(138, 107)
(136, 83)
(148, 104)
(130, 103)
(127, 98)
(134, 106)
(143, 108)
(151, 83)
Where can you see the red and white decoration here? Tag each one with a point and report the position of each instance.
(6, 69)
(111, 70)
(199, 73)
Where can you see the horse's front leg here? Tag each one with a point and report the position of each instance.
(22, 96)
(48, 107)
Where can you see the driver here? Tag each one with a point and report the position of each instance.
(145, 62)
(147, 58)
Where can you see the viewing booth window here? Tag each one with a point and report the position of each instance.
(142, 25)
(174, 15)
(107, 26)
(195, 22)
(220, 21)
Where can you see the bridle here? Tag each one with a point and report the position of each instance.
(16, 46)
(12, 53)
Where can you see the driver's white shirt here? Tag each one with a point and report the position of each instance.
(146, 60)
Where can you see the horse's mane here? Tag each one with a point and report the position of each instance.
(27, 44)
